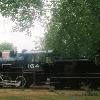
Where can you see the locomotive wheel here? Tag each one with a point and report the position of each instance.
(21, 80)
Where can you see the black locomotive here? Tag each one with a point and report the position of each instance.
(43, 68)
(25, 69)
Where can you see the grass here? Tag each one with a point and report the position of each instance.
(12, 98)
(51, 98)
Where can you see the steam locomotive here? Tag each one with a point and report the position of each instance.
(43, 68)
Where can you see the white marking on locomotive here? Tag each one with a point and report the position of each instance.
(6, 65)
(33, 66)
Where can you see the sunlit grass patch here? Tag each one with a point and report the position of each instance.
(60, 97)
(13, 98)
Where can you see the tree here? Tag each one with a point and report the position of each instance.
(74, 28)
(22, 12)
(6, 46)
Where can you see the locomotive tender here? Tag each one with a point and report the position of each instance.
(42, 67)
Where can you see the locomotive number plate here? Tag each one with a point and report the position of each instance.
(33, 66)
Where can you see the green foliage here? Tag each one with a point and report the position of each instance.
(23, 12)
(74, 29)
(6, 46)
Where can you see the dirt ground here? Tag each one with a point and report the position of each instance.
(37, 92)
(44, 94)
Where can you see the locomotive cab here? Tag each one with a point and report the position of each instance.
(37, 59)
(37, 65)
